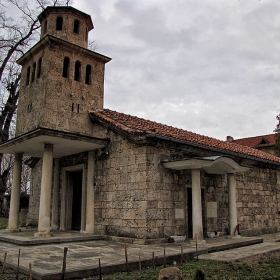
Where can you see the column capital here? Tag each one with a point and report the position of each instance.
(19, 154)
(48, 146)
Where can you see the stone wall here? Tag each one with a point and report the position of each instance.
(35, 192)
(67, 34)
(257, 206)
(55, 102)
(135, 196)
(257, 201)
(152, 202)
(216, 201)
(121, 191)
(166, 197)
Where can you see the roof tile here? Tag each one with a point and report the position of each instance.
(138, 126)
(257, 141)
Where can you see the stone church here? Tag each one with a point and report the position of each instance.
(103, 172)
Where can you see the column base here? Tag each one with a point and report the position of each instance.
(55, 227)
(199, 242)
(233, 236)
(43, 234)
(13, 229)
(86, 232)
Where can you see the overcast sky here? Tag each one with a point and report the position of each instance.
(208, 66)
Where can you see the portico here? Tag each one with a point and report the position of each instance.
(212, 165)
(50, 145)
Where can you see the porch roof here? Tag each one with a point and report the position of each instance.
(65, 143)
(212, 165)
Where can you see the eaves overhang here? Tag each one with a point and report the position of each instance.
(212, 165)
(138, 138)
(64, 143)
(50, 39)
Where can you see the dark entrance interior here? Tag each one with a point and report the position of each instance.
(189, 212)
(76, 178)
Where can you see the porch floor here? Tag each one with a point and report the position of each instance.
(25, 237)
(84, 252)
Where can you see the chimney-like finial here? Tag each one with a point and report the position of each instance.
(229, 139)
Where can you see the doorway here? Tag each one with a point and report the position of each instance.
(76, 179)
(189, 212)
(73, 198)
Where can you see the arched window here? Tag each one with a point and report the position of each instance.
(77, 71)
(59, 23)
(28, 75)
(88, 75)
(33, 72)
(66, 64)
(45, 27)
(76, 27)
(39, 68)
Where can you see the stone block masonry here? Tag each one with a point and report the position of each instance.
(136, 197)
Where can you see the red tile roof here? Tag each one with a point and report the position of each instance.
(137, 126)
(257, 141)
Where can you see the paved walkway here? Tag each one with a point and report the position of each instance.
(83, 256)
(271, 242)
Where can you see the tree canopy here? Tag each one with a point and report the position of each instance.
(277, 137)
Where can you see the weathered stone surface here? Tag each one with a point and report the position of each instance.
(153, 203)
(134, 195)
(170, 273)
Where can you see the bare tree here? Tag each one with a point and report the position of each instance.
(277, 137)
(16, 36)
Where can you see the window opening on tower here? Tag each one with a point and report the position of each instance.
(59, 23)
(66, 63)
(76, 26)
(77, 71)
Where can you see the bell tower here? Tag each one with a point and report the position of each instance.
(61, 79)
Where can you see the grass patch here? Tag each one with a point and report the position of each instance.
(254, 268)
(3, 223)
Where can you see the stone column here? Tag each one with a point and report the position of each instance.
(197, 206)
(55, 196)
(46, 191)
(15, 195)
(90, 193)
(232, 204)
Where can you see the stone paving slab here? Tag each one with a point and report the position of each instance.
(242, 253)
(83, 257)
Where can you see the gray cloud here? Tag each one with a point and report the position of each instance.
(211, 67)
